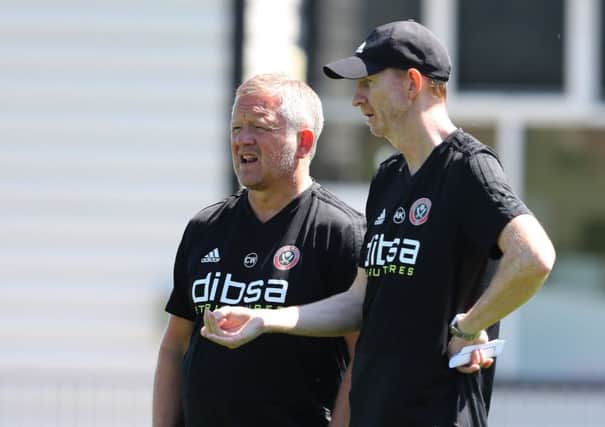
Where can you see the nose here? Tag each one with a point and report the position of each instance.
(359, 97)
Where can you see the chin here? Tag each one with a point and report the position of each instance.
(376, 133)
(246, 180)
(252, 185)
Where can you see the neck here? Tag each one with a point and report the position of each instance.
(417, 138)
(269, 202)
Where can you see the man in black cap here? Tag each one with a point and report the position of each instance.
(449, 251)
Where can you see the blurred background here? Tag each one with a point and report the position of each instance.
(114, 132)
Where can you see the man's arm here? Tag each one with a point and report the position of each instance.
(167, 383)
(341, 414)
(335, 316)
(527, 259)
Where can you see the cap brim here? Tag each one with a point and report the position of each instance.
(352, 67)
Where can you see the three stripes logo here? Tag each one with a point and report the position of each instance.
(212, 256)
(380, 219)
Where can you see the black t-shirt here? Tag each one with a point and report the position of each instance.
(307, 252)
(430, 251)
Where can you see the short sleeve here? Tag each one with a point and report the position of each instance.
(345, 259)
(488, 202)
(179, 302)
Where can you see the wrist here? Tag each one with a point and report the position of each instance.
(281, 320)
(268, 321)
(456, 330)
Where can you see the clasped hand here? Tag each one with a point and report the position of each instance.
(478, 359)
(232, 326)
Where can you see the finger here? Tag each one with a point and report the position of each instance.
(206, 326)
(473, 365)
(225, 340)
(224, 311)
(487, 362)
(476, 356)
(218, 324)
(480, 357)
(210, 322)
(207, 321)
(484, 361)
(224, 317)
(468, 369)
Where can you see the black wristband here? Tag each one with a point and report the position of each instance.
(456, 332)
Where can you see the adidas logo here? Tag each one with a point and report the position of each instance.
(212, 256)
(381, 217)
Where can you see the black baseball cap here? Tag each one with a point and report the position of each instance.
(399, 44)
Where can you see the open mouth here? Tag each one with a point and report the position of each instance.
(247, 159)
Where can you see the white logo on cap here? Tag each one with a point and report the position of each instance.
(360, 48)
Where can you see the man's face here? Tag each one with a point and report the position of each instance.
(382, 100)
(262, 147)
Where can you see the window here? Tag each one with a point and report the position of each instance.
(510, 45)
(565, 182)
(348, 153)
(378, 12)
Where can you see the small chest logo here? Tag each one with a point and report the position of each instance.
(399, 215)
(419, 212)
(286, 257)
(380, 219)
(212, 256)
(250, 260)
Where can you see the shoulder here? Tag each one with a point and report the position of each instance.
(466, 157)
(468, 147)
(213, 213)
(332, 208)
(391, 163)
(337, 223)
(387, 169)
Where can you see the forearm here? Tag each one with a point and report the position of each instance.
(507, 292)
(528, 257)
(167, 389)
(341, 412)
(334, 316)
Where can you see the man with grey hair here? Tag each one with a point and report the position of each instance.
(281, 240)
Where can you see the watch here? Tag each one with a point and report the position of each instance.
(456, 332)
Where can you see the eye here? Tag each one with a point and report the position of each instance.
(235, 128)
(264, 128)
(363, 83)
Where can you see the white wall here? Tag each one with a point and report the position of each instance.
(113, 133)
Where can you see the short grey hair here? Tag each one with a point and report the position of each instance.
(299, 104)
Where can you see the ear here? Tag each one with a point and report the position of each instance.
(415, 82)
(305, 143)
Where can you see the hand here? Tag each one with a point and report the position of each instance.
(478, 360)
(232, 327)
